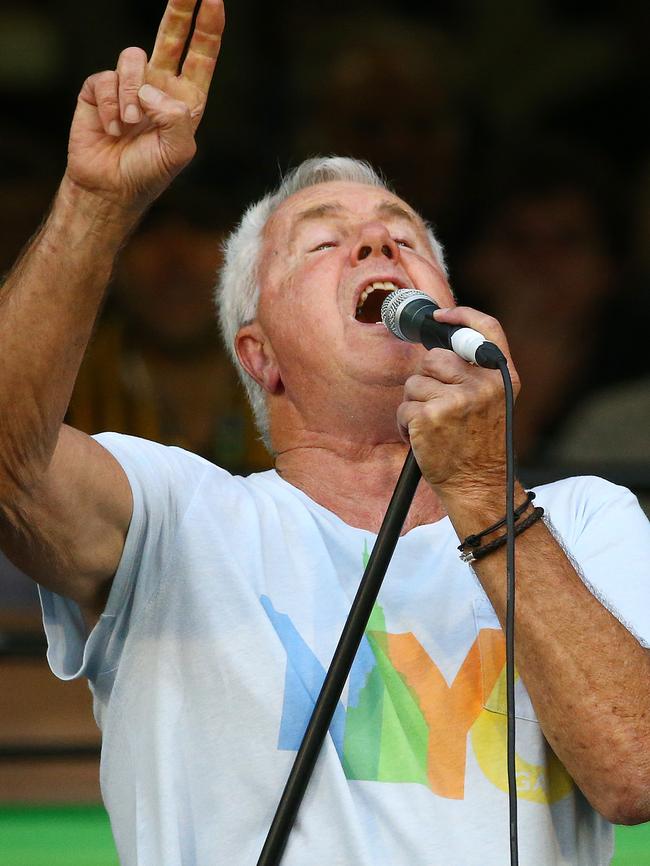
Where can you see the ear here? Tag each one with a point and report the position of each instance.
(257, 357)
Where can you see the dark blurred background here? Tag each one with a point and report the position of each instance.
(515, 126)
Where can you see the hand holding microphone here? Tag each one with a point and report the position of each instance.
(452, 414)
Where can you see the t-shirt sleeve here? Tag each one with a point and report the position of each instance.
(605, 531)
(163, 482)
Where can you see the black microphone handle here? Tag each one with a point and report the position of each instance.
(419, 326)
(408, 314)
(436, 335)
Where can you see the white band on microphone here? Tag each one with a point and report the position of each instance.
(465, 342)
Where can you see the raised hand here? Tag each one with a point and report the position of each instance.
(133, 128)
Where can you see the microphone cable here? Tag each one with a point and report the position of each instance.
(408, 315)
(510, 610)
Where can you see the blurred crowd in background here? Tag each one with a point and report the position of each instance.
(514, 126)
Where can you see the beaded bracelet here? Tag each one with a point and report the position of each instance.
(479, 552)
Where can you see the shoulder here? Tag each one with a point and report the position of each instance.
(153, 468)
(149, 453)
(162, 470)
(588, 508)
(582, 494)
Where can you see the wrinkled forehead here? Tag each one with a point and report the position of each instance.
(335, 198)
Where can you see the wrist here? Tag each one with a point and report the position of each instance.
(474, 507)
(85, 213)
(495, 535)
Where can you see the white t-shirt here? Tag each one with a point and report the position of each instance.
(224, 614)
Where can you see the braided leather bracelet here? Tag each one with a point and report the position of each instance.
(474, 553)
(472, 544)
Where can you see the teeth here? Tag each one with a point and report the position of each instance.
(387, 286)
(384, 287)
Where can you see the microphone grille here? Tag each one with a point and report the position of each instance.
(394, 304)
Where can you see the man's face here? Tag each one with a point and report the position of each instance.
(326, 249)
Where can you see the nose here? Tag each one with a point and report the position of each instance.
(374, 240)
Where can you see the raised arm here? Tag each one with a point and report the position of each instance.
(65, 503)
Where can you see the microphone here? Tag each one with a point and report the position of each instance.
(408, 314)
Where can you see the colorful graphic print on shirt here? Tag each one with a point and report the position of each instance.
(404, 723)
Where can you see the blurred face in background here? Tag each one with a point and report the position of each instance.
(165, 282)
(541, 255)
(544, 266)
(380, 108)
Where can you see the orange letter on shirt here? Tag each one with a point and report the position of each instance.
(449, 711)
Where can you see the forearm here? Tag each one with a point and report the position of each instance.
(587, 676)
(117, 165)
(48, 305)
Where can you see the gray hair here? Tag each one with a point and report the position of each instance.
(237, 291)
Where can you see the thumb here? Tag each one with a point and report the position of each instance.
(173, 120)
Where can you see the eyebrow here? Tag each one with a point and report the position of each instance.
(386, 209)
(392, 209)
(316, 212)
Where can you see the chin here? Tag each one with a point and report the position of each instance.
(390, 368)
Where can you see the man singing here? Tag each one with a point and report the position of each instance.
(204, 608)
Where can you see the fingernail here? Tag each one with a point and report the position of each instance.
(131, 113)
(150, 94)
(114, 128)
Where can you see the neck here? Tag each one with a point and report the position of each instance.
(355, 481)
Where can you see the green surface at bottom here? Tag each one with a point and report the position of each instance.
(81, 836)
(632, 846)
(56, 836)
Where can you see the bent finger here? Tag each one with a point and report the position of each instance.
(131, 67)
(481, 322)
(471, 318)
(406, 413)
(101, 90)
(446, 366)
(422, 388)
(174, 122)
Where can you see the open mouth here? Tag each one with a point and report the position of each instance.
(369, 305)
